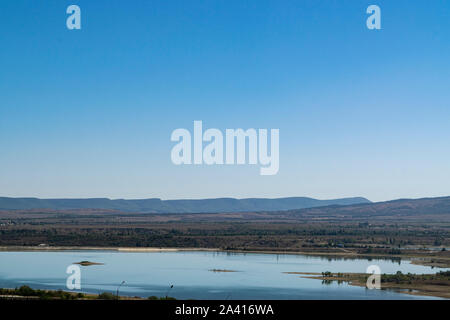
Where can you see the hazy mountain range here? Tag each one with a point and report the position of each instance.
(156, 205)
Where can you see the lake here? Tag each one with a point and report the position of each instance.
(258, 276)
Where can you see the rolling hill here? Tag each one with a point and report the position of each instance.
(401, 207)
(156, 205)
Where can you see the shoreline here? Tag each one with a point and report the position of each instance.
(118, 249)
(359, 280)
(52, 294)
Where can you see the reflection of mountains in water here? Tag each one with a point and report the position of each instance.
(329, 257)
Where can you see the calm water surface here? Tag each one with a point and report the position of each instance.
(259, 276)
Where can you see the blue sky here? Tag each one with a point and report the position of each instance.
(89, 113)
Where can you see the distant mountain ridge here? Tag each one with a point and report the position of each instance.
(399, 207)
(156, 205)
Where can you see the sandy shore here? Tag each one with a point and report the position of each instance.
(121, 249)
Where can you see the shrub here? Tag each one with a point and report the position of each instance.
(106, 296)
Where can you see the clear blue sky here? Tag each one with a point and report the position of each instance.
(89, 113)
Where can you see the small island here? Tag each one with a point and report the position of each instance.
(86, 263)
(222, 270)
